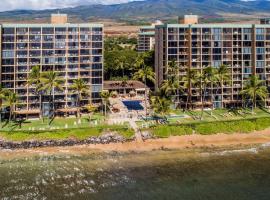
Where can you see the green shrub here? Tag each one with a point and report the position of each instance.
(167, 131)
(209, 128)
(262, 123)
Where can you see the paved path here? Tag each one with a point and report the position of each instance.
(138, 134)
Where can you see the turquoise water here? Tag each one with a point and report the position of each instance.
(158, 175)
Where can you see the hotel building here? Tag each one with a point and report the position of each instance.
(146, 37)
(72, 50)
(244, 48)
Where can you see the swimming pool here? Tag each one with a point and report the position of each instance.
(133, 105)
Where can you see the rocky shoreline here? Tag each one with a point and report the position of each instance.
(104, 139)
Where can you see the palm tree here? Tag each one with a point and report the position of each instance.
(170, 86)
(161, 105)
(49, 82)
(11, 100)
(204, 79)
(35, 80)
(3, 94)
(90, 109)
(105, 95)
(121, 64)
(222, 76)
(254, 89)
(145, 74)
(173, 78)
(189, 80)
(80, 87)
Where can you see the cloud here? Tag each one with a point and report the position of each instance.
(51, 4)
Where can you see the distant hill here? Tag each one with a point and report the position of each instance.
(150, 9)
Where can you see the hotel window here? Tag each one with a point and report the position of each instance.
(8, 31)
(48, 30)
(246, 50)
(260, 64)
(8, 54)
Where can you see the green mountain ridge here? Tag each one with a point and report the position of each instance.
(150, 9)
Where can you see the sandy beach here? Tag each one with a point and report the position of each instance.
(176, 142)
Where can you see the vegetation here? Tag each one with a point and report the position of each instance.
(122, 61)
(254, 90)
(60, 134)
(209, 128)
(81, 89)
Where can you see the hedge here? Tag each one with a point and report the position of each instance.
(209, 128)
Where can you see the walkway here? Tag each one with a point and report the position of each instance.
(138, 134)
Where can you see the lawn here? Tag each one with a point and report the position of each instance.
(61, 128)
(61, 134)
(244, 125)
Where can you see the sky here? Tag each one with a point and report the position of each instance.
(45, 4)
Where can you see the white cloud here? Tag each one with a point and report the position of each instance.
(50, 4)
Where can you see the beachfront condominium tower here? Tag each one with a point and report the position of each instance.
(146, 37)
(243, 48)
(72, 50)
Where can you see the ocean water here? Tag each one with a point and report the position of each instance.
(222, 174)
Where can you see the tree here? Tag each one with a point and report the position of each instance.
(35, 80)
(49, 82)
(222, 76)
(80, 87)
(189, 80)
(205, 78)
(90, 109)
(254, 89)
(3, 94)
(171, 86)
(161, 105)
(144, 74)
(11, 100)
(105, 95)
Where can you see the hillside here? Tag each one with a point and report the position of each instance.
(149, 9)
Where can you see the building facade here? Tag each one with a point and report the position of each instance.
(72, 50)
(243, 48)
(146, 39)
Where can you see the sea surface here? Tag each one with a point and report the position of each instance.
(202, 174)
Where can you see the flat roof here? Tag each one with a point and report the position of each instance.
(218, 25)
(116, 85)
(51, 25)
(147, 33)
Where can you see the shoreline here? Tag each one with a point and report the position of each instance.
(172, 143)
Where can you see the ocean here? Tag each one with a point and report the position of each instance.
(191, 174)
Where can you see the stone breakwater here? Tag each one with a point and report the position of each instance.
(104, 139)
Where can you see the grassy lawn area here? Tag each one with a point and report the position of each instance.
(58, 123)
(244, 125)
(61, 128)
(60, 134)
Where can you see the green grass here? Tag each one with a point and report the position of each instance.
(61, 134)
(208, 128)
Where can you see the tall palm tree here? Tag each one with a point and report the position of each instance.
(80, 87)
(11, 100)
(105, 95)
(35, 80)
(161, 105)
(223, 76)
(3, 94)
(145, 74)
(174, 78)
(254, 89)
(121, 64)
(170, 86)
(189, 80)
(49, 82)
(204, 79)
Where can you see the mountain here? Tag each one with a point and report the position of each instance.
(151, 9)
